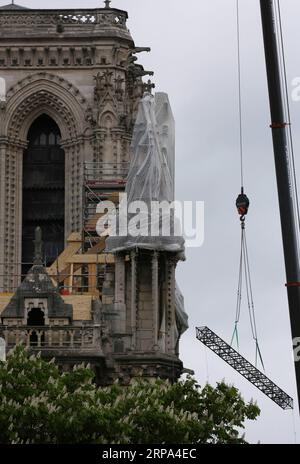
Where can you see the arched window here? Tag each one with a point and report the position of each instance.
(2, 90)
(36, 318)
(43, 191)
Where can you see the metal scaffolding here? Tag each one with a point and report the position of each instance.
(67, 283)
(244, 367)
(101, 182)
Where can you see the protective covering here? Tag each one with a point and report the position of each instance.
(151, 181)
(151, 173)
(181, 316)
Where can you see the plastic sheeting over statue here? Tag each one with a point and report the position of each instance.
(151, 181)
(149, 194)
(181, 316)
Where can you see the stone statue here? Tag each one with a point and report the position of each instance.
(96, 311)
(38, 246)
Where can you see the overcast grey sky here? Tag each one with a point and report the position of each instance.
(194, 58)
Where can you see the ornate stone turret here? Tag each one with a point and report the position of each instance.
(37, 291)
(148, 317)
(38, 316)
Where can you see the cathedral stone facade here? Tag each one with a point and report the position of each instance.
(70, 87)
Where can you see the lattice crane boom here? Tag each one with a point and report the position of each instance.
(244, 367)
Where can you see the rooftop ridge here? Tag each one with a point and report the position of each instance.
(13, 6)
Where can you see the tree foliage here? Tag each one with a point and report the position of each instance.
(39, 404)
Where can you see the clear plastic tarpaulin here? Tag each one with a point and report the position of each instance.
(182, 323)
(150, 183)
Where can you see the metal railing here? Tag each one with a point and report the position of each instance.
(95, 173)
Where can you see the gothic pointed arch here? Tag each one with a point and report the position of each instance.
(108, 118)
(38, 94)
(43, 191)
(45, 93)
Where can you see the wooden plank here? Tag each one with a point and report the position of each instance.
(92, 278)
(92, 259)
(71, 278)
(73, 246)
(65, 274)
(82, 305)
(98, 248)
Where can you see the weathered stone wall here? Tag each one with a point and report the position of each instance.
(78, 68)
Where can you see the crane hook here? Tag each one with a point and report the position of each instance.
(242, 204)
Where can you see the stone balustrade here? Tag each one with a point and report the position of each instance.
(52, 337)
(100, 16)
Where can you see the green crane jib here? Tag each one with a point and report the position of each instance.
(244, 367)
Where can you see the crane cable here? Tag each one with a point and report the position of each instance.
(244, 272)
(240, 93)
(242, 204)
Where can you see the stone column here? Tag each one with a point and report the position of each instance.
(120, 306)
(11, 213)
(170, 304)
(73, 187)
(155, 299)
(19, 212)
(133, 308)
(3, 145)
(68, 190)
